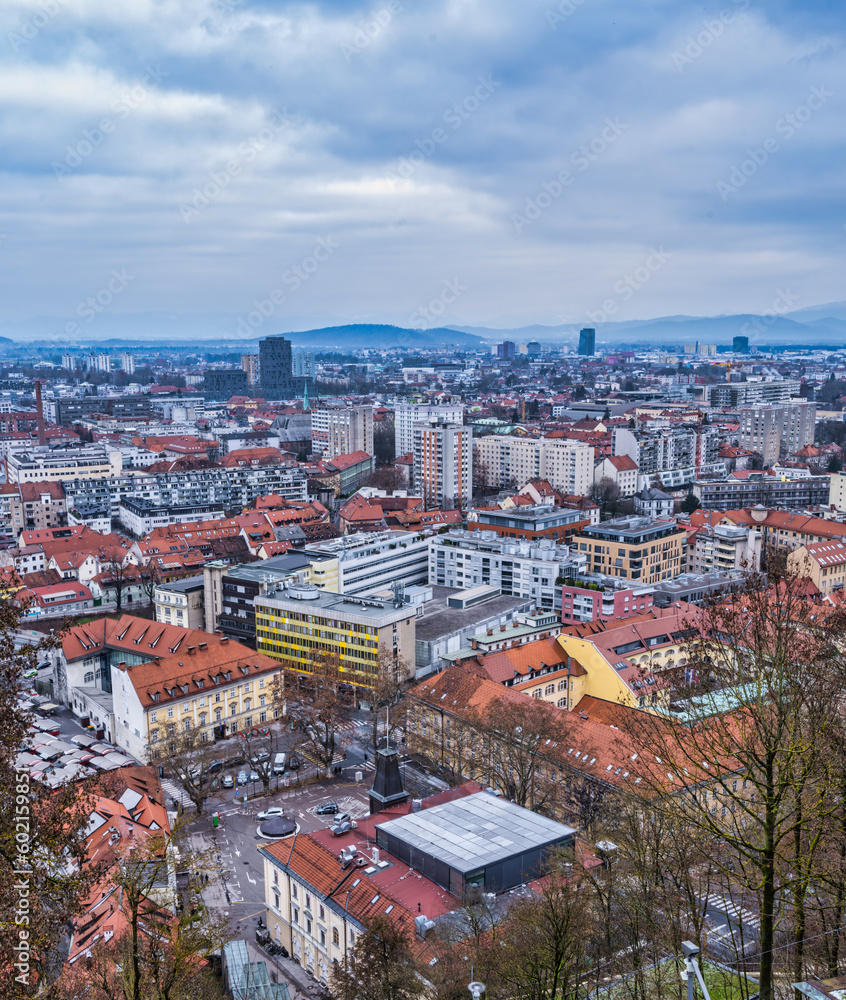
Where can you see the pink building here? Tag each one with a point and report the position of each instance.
(582, 603)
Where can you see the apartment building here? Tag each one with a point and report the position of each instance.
(531, 523)
(776, 430)
(369, 561)
(217, 689)
(733, 394)
(406, 415)
(723, 547)
(677, 455)
(301, 623)
(443, 464)
(229, 592)
(37, 505)
(181, 602)
(508, 461)
(837, 491)
(44, 464)
(823, 563)
(341, 430)
(534, 570)
(761, 488)
(140, 516)
(620, 469)
(634, 548)
(229, 488)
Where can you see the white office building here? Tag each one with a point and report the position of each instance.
(467, 559)
(370, 561)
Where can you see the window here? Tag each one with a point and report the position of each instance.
(294, 890)
(336, 939)
(217, 714)
(89, 677)
(322, 937)
(275, 877)
(322, 912)
(170, 712)
(233, 709)
(153, 716)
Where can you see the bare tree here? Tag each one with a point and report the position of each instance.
(382, 966)
(319, 705)
(386, 698)
(188, 755)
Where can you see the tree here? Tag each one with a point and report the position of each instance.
(162, 954)
(540, 950)
(388, 478)
(381, 966)
(764, 779)
(834, 464)
(120, 572)
(384, 443)
(37, 825)
(319, 705)
(690, 504)
(188, 755)
(606, 493)
(151, 577)
(514, 735)
(385, 698)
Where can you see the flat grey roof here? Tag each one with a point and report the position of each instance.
(439, 619)
(476, 831)
(185, 584)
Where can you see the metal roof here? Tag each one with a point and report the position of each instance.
(476, 831)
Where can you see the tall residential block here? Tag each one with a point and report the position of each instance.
(341, 430)
(303, 365)
(777, 430)
(250, 364)
(275, 366)
(443, 463)
(406, 415)
(509, 462)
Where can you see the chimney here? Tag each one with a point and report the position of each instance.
(39, 411)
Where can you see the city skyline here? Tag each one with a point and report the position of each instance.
(447, 164)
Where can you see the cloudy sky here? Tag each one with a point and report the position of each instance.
(498, 162)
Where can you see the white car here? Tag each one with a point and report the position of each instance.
(270, 813)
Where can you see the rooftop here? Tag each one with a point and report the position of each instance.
(308, 599)
(476, 831)
(439, 618)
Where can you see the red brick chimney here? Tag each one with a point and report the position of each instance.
(39, 410)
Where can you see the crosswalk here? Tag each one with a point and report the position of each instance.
(736, 914)
(173, 792)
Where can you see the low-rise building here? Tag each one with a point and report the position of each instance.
(217, 688)
(652, 502)
(141, 516)
(39, 505)
(621, 470)
(750, 488)
(43, 464)
(823, 563)
(605, 597)
(181, 602)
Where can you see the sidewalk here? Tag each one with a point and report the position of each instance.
(300, 983)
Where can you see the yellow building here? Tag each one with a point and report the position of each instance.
(824, 563)
(216, 686)
(644, 549)
(364, 635)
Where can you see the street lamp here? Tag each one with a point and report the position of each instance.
(477, 989)
(691, 969)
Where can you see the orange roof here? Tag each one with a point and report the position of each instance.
(623, 463)
(139, 636)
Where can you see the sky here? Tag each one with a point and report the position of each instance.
(419, 162)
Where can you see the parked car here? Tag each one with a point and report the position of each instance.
(216, 765)
(259, 757)
(293, 764)
(228, 781)
(242, 777)
(254, 776)
(341, 818)
(326, 809)
(270, 813)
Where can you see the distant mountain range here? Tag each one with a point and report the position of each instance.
(823, 325)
